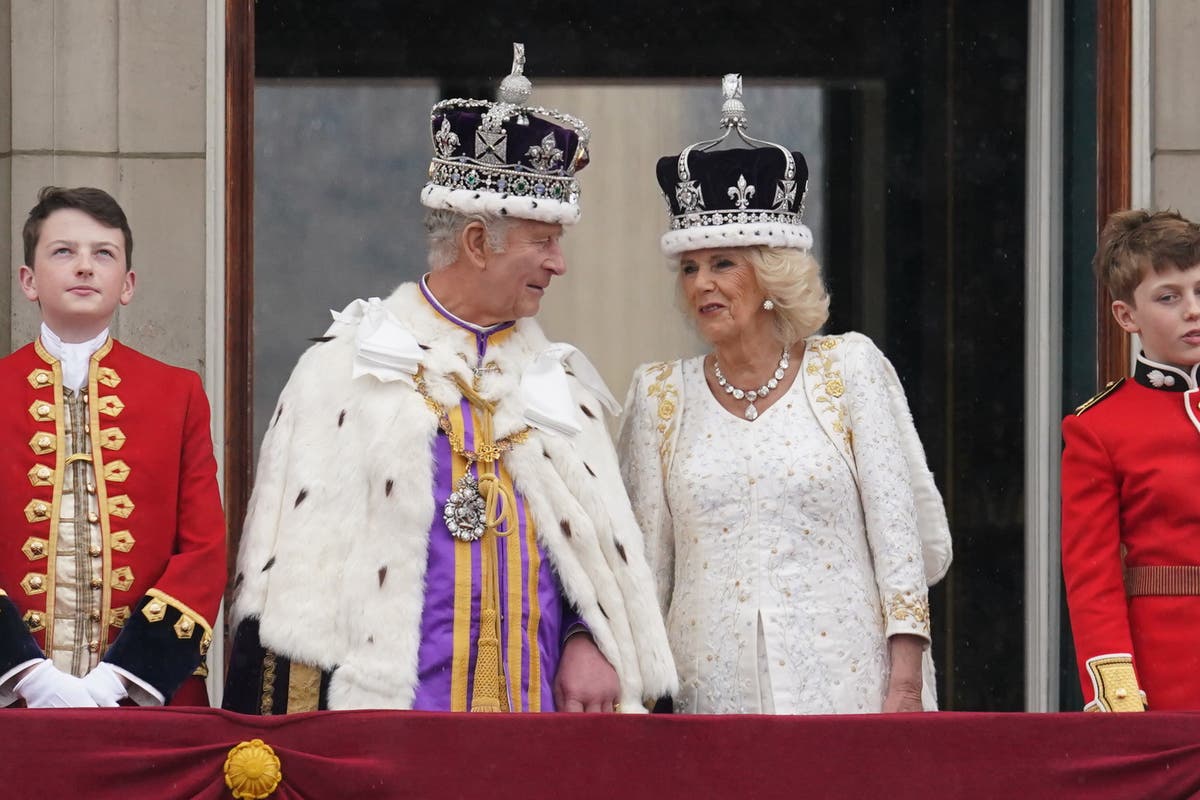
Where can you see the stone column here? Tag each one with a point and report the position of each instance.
(112, 93)
(1176, 106)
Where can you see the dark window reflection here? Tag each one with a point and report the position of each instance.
(923, 110)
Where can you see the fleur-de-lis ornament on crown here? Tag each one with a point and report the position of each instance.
(545, 156)
(741, 194)
(446, 139)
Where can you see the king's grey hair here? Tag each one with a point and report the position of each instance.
(443, 231)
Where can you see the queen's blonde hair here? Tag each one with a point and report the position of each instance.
(792, 280)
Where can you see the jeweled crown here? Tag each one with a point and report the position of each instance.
(505, 158)
(737, 197)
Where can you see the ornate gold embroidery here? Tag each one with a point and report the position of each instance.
(184, 627)
(122, 541)
(1115, 683)
(40, 378)
(122, 579)
(901, 607)
(112, 438)
(42, 443)
(268, 684)
(34, 621)
(111, 405)
(304, 688)
(41, 411)
(41, 475)
(116, 471)
(161, 598)
(155, 610)
(118, 615)
(34, 583)
(37, 511)
(120, 506)
(108, 376)
(832, 387)
(667, 395)
(35, 548)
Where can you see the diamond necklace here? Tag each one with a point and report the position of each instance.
(751, 395)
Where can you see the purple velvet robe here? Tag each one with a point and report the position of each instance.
(534, 617)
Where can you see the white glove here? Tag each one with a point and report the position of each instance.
(44, 686)
(105, 685)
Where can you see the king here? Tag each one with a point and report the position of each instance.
(439, 521)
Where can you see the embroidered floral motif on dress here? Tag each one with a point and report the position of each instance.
(903, 607)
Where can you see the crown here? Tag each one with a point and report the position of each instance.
(737, 197)
(505, 158)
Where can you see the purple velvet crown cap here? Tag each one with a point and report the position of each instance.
(503, 158)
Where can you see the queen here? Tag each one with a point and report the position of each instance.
(791, 522)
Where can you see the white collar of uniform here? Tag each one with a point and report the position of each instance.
(74, 356)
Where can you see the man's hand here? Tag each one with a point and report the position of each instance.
(44, 686)
(585, 680)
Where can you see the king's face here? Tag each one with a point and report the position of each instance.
(517, 278)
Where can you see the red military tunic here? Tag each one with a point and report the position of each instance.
(160, 568)
(1131, 499)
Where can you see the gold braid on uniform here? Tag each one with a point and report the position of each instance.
(1114, 683)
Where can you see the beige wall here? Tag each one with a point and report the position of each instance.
(112, 93)
(617, 300)
(1175, 115)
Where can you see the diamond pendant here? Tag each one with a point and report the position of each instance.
(464, 510)
(751, 412)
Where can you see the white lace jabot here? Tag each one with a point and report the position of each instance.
(74, 356)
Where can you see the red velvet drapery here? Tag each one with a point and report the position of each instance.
(168, 753)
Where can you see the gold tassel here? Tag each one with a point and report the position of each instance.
(489, 693)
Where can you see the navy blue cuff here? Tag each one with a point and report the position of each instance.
(17, 644)
(160, 644)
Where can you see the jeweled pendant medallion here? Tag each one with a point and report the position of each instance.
(751, 412)
(464, 510)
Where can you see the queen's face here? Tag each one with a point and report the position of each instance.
(721, 292)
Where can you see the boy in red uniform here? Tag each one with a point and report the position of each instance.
(1131, 480)
(112, 538)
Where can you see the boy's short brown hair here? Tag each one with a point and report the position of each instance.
(1137, 240)
(96, 203)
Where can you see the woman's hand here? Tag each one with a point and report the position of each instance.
(904, 682)
(902, 698)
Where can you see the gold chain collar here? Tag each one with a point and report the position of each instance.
(490, 450)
